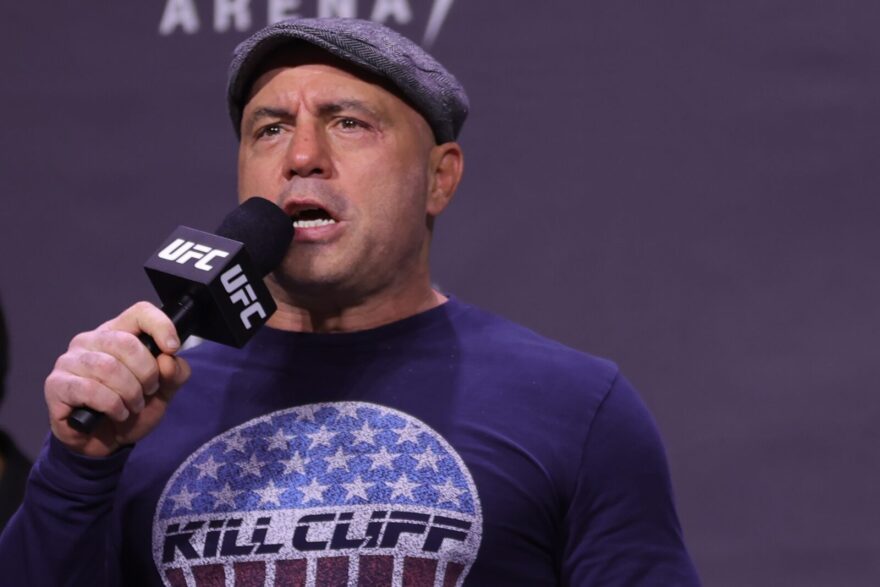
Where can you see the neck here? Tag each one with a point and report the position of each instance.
(328, 313)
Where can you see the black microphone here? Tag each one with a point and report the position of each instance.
(211, 285)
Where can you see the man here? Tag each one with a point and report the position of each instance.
(377, 432)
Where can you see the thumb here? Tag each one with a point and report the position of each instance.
(173, 372)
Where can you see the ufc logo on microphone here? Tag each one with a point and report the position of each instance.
(236, 284)
(182, 251)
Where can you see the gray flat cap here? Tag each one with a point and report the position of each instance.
(432, 90)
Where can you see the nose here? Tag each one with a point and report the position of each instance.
(307, 153)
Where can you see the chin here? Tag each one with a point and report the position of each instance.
(311, 284)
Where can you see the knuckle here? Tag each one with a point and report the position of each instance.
(73, 391)
(81, 340)
(60, 363)
(97, 397)
(127, 343)
(57, 411)
(53, 382)
(64, 392)
(101, 364)
(145, 309)
(116, 408)
(61, 387)
(84, 390)
(142, 307)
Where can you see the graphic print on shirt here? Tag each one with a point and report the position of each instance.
(321, 495)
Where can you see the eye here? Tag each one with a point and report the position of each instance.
(270, 130)
(351, 124)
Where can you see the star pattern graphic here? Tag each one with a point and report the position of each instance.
(251, 467)
(403, 487)
(448, 492)
(323, 437)
(408, 433)
(183, 500)
(357, 488)
(208, 468)
(319, 456)
(366, 434)
(382, 459)
(236, 442)
(270, 493)
(427, 459)
(307, 413)
(279, 441)
(225, 497)
(347, 410)
(314, 491)
(295, 464)
(337, 461)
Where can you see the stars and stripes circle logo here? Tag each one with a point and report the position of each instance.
(325, 494)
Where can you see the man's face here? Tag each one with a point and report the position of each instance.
(353, 165)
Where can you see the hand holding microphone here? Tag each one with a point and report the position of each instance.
(113, 384)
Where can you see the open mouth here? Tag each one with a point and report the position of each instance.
(311, 218)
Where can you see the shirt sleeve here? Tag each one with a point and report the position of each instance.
(621, 527)
(59, 535)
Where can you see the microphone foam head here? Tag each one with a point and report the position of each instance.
(263, 228)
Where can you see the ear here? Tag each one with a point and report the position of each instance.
(447, 165)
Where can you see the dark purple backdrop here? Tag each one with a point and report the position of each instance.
(686, 187)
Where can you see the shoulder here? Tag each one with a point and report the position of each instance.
(525, 353)
(525, 384)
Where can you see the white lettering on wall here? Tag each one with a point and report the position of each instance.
(340, 8)
(182, 16)
(439, 12)
(236, 13)
(281, 9)
(399, 9)
(179, 13)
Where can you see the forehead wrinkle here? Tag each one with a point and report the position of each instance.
(271, 112)
(346, 105)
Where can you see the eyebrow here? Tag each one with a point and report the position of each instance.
(269, 112)
(325, 109)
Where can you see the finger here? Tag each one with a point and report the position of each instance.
(174, 371)
(71, 391)
(127, 349)
(183, 371)
(107, 370)
(145, 317)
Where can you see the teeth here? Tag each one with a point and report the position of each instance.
(313, 223)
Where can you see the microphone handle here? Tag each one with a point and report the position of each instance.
(182, 314)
